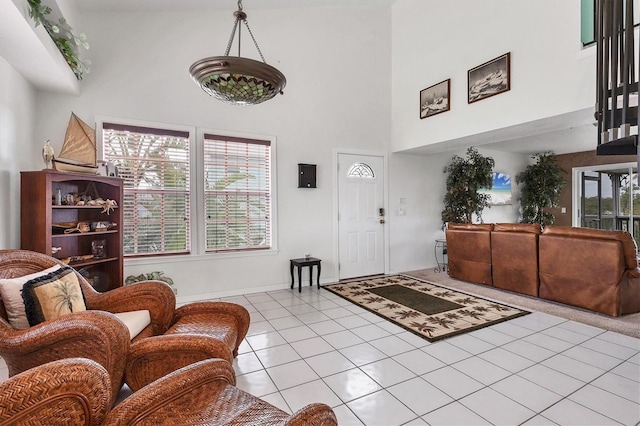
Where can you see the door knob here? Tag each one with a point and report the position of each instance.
(381, 220)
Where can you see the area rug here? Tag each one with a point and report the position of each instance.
(424, 308)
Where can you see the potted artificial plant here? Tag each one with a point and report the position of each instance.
(156, 275)
(541, 186)
(466, 176)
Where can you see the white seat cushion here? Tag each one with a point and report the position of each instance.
(135, 321)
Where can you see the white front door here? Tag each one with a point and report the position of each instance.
(361, 215)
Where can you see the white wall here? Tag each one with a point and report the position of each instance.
(17, 148)
(420, 182)
(434, 40)
(338, 95)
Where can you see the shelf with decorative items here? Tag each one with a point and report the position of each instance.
(75, 217)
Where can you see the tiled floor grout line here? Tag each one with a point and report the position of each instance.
(316, 304)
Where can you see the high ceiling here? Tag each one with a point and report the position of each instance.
(573, 132)
(140, 5)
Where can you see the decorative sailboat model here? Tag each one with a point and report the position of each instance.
(78, 152)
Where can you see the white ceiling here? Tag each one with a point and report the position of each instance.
(141, 5)
(573, 132)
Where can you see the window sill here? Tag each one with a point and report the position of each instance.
(156, 260)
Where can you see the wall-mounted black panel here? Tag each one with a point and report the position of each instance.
(306, 176)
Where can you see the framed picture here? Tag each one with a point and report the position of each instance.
(435, 99)
(490, 78)
(500, 192)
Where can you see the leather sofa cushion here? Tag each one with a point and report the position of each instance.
(470, 226)
(514, 257)
(583, 272)
(628, 243)
(469, 252)
(532, 228)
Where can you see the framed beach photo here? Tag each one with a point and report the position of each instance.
(500, 192)
(490, 78)
(435, 99)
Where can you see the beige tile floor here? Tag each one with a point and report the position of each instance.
(535, 370)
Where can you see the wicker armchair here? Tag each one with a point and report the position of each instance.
(77, 392)
(93, 334)
(174, 338)
(69, 392)
(204, 393)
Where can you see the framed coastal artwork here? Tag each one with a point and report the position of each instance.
(490, 78)
(435, 99)
(500, 193)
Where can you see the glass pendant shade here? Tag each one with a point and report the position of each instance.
(237, 80)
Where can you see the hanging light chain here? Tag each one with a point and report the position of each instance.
(233, 35)
(254, 41)
(241, 16)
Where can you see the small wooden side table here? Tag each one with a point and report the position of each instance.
(301, 263)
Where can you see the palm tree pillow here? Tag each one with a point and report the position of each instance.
(52, 296)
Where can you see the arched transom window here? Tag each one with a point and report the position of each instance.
(361, 170)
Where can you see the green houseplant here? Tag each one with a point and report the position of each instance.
(541, 186)
(64, 37)
(466, 176)
(156, 275)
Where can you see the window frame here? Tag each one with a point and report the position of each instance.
(196, 176)
(201, 190)
(101, 120)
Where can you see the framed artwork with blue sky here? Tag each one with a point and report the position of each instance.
(500, 193)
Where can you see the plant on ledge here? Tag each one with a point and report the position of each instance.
(541, 186)
(466, 176)
(63, 36)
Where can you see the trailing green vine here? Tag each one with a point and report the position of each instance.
(67, 41)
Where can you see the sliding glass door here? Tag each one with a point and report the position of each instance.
(610, 199)
(591, 200)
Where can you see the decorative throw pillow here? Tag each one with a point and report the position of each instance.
(11, 294)
(52, 296)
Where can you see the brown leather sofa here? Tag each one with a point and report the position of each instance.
(469, 252)
(588, 268)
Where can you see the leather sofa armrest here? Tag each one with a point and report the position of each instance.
(634, 273)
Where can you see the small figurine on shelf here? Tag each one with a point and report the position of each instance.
(47, 154)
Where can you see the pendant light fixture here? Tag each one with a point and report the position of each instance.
(237, 80)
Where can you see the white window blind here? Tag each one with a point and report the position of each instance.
(237, 201)
(154, 164)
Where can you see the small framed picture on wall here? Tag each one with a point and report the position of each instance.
(435, 99)
(490, 78)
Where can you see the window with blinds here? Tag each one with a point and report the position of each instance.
(154, 164)
(237, 198)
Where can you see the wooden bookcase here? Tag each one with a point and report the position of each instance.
(41, 216)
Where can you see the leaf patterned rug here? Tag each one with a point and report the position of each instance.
(423, 308)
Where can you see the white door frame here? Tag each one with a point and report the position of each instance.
(336, 204)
